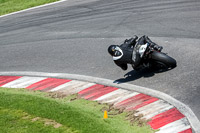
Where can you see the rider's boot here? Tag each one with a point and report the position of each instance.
(158, 48)
(153, 45)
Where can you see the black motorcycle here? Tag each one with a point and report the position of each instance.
(152, 58)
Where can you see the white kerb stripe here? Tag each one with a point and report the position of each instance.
(126, 97)
(73, 88)
(13, 83)
(152, 114)
(113, 101)
(73, 82)
(76, 88)
(23, 82)
(119, 91)
(78, 84)
(29, 82)
(155, 105)
(175, 127)
(114, 96)
(83, 87)
(153, 109)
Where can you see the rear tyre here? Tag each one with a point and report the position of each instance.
(163, 60)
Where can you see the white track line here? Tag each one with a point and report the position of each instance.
(25, 10)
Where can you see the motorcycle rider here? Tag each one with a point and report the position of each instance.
(123, 54)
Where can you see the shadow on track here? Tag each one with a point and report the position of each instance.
(134, 75)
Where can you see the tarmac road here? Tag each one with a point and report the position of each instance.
(73, 36)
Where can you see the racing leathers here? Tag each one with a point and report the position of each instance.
(123, 54)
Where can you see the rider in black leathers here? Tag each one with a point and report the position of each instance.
(122, 55)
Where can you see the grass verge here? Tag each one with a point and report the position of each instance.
(28, 111)
(9, 6)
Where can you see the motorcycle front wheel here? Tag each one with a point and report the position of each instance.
(163, 60)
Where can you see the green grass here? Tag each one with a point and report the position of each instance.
(8, 6)
(29, 111)
(17, 121)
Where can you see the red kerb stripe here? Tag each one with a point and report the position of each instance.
(100, 93)
(90, 89)
(136, 102)
(47, 84)
(143, 102)
(165, 118)
(131, 99)
(94, 92)
(6, 79)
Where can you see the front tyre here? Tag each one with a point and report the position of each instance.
(163, 60)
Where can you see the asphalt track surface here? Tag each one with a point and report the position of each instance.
(73, 36)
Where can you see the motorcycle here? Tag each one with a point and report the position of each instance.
(152, 58)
